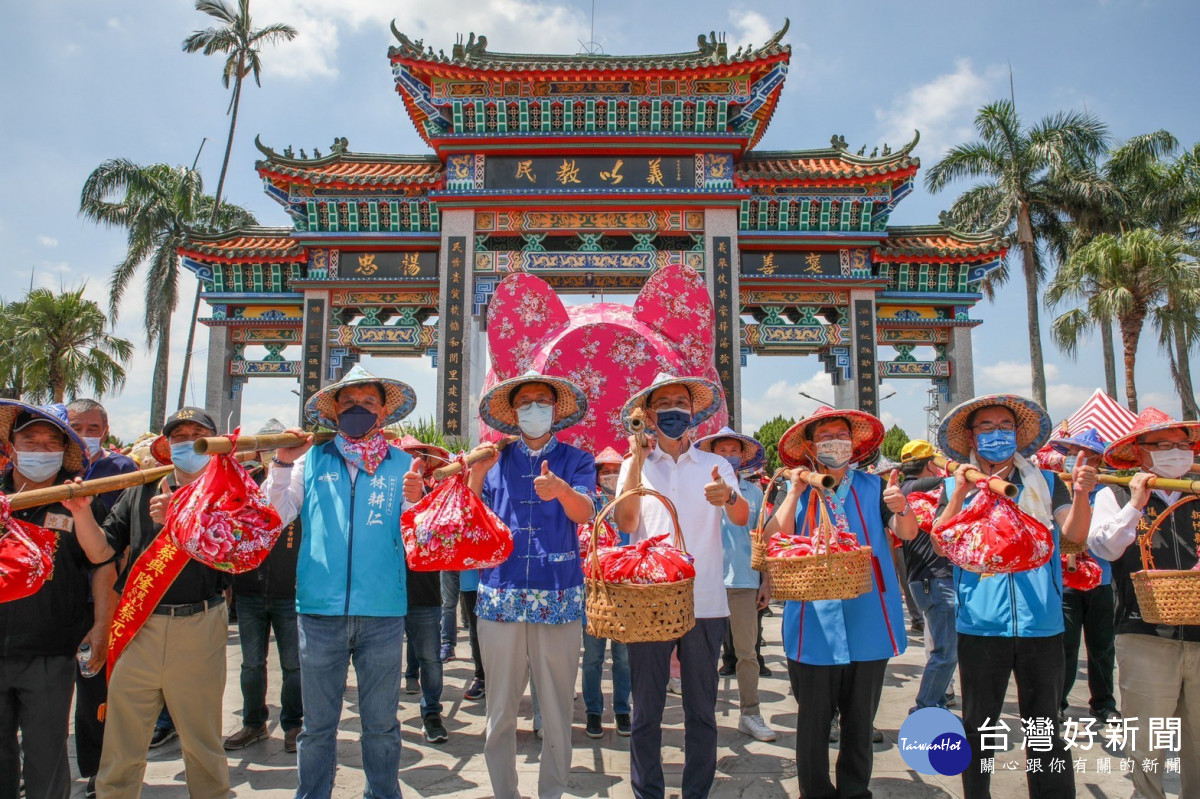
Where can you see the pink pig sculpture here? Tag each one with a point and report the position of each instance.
(609, 350)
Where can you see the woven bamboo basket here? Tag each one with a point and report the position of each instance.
(1068, 547)
(1166, 596)
(827, 575)
(758, 538)
(634, 614)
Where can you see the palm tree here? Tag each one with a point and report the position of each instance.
(1130, 277)
(240, 41)
(154, 204)
(1028, 175)
(63, 345)
(12, 364)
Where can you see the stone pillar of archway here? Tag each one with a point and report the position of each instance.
(220, 397)
(457, 331)
(721, 274)
(861, 391)
(961, 354)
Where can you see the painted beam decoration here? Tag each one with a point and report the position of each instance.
(314, 335)
(388, 265)
(455, 325)
(792, 263)
(864, 348)
(725, 305)
(630, 173)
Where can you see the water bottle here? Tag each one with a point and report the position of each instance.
(84, 656)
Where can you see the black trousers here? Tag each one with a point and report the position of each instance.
(90, 694)
(1090, 613)
(466, 602)
(985, 664)
(35, 698)
(853, 690)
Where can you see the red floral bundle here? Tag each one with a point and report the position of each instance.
(1080, 572)
(924, 504)
(26, 555)
(994, 536)
(451, 529)
(651, 561)
(608, 538)
(799, 546)
(223, 519)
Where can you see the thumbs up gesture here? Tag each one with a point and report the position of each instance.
(893, 497)
(414, 481)
(159, 504)
(718, 491)
(548, 485)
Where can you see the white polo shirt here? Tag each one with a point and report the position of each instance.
(683, 483)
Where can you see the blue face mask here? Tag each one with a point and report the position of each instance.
(735, 461)
(186, 459)
(1069, 463)
(996, 446)
(673, 423)
(356, 421)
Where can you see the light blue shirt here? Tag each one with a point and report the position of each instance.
(735, 540)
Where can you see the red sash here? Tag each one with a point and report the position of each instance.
(152, 574)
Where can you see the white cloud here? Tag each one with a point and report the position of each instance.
(511, 26)
(1013, 377)
(783, 398)
(942, 109)
(47, 241)
(750, 28)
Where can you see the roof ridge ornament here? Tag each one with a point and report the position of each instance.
(340, 147)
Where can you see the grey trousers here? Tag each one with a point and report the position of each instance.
(511, 652)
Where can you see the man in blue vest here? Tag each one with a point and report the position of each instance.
(1012, 624)
(350, 573)
(838, 650)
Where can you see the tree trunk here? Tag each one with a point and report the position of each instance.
(212, 223)
(1029, 257)
(1131, 331)
(1182, 373)
(1110, 357)
(158, 390)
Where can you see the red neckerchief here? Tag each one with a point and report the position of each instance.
(365, 453)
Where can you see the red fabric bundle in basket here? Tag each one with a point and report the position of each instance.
(994, 536)
(223, 519)
(650, 561)
(451, 529)
(924, 504)
(608, 538)
(799, 546)
(26, 555)
(1085, 574)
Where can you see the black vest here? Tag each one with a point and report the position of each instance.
(1174, 547)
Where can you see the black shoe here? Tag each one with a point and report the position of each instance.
(767, 611)
(876, 736)
(412, 685)
(918, 627)
(950, 700)
(162, 735)
(90, 791)
(624, 727)
(594, 730)
(435, 731)
(476, 691)
(727, 669)
(763, 671)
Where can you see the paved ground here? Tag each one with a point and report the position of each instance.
(746, 768)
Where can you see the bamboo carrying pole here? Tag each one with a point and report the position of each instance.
(637, 426)
(473, 457)
(814, 479)
(994, 484)
(219, 445)
(1161, 483)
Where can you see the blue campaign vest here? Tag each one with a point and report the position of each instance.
(869, 627)
(1027, 604)
(351, 559)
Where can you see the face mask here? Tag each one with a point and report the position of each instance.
(996, 446)
(535, 419)
(673, 423)
(1069, 463)
(93, 445)
(835, 454)
(735, 461)
(1172, 464)
(356, 421)
(608, 483)
(186, 459)
(39, 466)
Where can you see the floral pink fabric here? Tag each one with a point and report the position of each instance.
(651, 561)
(924, 505)
(367, 452)
(1082, 575)
(26, 555)
(993, 536)
(451, 529)
(608, 538)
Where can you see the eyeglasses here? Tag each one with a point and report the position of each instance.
(672, 405)
(370, 403)
(988, 427)
(1166, 446)
(526, 404)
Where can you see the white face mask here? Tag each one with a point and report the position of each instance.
(39, 466)
(835, 453)
(535, 419)
(93, 445)
(608, 483)
(1171, 464)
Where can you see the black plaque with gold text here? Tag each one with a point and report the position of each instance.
(454, 328)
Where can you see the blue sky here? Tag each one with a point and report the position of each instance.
(90, 81)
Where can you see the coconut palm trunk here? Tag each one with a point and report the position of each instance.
(1032, 268)
(1181, 372)
(1110, 358)
(1131, 333)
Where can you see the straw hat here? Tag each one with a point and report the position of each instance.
(1033, 425)
(705, 396)
(609, 456)
(1120, 454)
(75, 457)
(399, 398)
(497, 410)
(414, 446)
(866, 434)
(753, 454)
(1089, 439)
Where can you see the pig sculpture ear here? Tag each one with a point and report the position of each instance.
(675, 303)
(523, 315)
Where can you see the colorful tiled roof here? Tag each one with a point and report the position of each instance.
(473, 54)
(248, 244)
(834, 163)
(938, 243)
(344, 169)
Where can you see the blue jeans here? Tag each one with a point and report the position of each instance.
(257, 617)
(935, 599)
(422, 627)
(593, 667)
(327, 645)
(450, 583)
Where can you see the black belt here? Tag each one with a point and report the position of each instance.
(189, 610)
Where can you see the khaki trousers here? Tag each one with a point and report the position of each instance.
(180, 661)
(1160, 679)
(511, 651)
(743, 622)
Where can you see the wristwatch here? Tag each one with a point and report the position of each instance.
(732, 498)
